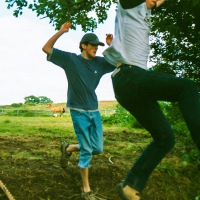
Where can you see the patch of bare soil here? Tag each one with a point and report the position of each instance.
(44, 179)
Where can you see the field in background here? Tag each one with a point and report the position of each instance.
(105, 107)
(29, 161)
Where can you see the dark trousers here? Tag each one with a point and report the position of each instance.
(138, 91)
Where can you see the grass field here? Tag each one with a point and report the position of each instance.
(29, 162)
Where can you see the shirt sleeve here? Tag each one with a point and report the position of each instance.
(127, 4)
(58, 57)
(107, 67)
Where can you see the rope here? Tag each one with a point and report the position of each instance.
(8, 194)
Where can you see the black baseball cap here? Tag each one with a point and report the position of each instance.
(91, 38)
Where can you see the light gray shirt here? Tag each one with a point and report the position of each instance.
(131, 41)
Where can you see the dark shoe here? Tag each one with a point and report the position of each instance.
(123, 196)
(88, 195)
(65, 156)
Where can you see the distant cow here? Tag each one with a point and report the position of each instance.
(55, 110)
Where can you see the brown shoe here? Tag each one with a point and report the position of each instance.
(88, 195)
(123, 196)
(64, 156)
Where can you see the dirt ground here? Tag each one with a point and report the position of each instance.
(43, 179)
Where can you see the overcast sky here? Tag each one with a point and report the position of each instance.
(24, 70)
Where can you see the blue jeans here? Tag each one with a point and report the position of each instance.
(89, 133)
(138, 91)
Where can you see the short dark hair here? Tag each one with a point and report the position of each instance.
(80, 45)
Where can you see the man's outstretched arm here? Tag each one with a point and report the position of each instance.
(50, 43)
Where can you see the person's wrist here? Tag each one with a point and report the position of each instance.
(61, 31)
(159, 3)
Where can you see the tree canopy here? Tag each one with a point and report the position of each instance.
(78, 12)
(37, 100)
(175, 28)
(176, 38)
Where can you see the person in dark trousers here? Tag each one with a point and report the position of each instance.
(138, 90)
(83, 73)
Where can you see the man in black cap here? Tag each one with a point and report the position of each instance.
(83, 73)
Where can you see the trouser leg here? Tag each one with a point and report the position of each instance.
(152, 118)
(138, 91)
(190, 107)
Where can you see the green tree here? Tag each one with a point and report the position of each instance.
(44, 100)
(176, 38)
(175, 29)
(37, 100)
(76, 11)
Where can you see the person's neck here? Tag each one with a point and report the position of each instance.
(85, 56)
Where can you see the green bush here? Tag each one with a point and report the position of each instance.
(172, 112)
(122, 117)
(17, 105)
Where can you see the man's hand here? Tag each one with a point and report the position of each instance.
(154, 3)
(159, 2)
(109, 38)
(65, 27)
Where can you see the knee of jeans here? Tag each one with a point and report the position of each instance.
(166, 143)
(190, 87)
(98, 150)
